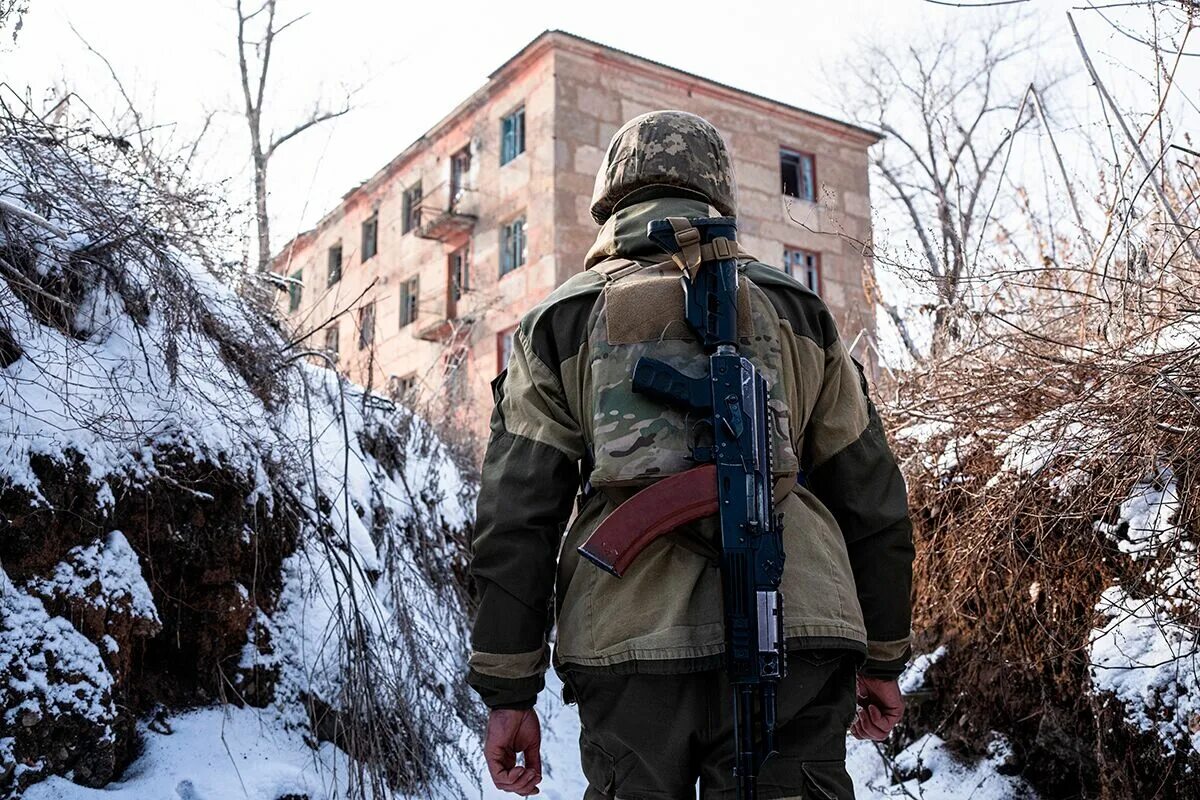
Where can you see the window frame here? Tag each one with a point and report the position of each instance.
(410, 296)
(518, 115)
(333, 276)
(403, 386)
(295, 290)
(801, 155)
(366, 336)
(410, 208)
(371, 223)
(460, 278)
(509, 333)
(333, 332)
(458, 175)
(817, 269)
(521, 257)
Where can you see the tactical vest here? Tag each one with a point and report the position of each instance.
(637, 440)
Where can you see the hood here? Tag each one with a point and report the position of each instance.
(624, 234)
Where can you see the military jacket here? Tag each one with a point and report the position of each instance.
(847, 534)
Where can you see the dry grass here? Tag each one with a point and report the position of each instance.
(1092, 371)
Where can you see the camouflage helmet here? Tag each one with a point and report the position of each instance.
(666, 149)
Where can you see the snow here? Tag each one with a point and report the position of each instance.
(224, 753)
(48, 668)
(221, 753)
(912, 680)
(922, 432)
(1180, 336)
(105, 575)
(136, 377)
(1031, 447)
(1144, 653)
(1144, 520)
(1150, 664)
(950, 778)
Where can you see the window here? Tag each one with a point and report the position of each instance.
(512, 246)
(804, 266)
(454, 387)
(370, 237)
(412, 207)
(512, 136)
(460, 168)
(331, 341)
(295, 289)
(410, 291)
(460, 272)
(366, 326)
(504, 346)
(403, 385)
(799, 173)
(335, 264)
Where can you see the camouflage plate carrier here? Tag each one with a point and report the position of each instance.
(637, 440)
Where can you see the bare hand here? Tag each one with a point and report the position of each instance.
(880, 707)
(509, 732)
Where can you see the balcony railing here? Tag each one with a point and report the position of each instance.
(449, 318)
(444, 213)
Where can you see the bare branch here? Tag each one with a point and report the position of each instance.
(976, 5)
(316, 119)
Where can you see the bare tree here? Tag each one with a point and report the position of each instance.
(254, 61)
(12, 12)
(948, 109)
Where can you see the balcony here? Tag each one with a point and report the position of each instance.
(442, 215)
(447, 323)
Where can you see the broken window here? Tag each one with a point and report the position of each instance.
(412, 208)
(335, 264)
(370, 237)
(403, 386)
(504, 346)
(331, 341)
(410, 291)
(798, 171)
(512, 246)
(366, 326)
(295, 290)
(460, 168)
(804, 266)
(454, 389)
(512, 136)
(460, 272)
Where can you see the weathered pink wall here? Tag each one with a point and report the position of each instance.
(576, 94)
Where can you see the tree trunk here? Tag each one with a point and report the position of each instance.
(260, 213)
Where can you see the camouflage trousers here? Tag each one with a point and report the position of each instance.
(654, 737)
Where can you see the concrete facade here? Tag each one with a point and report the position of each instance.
(574, 94)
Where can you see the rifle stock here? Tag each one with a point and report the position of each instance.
(653, 512)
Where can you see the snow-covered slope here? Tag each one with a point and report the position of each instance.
(195, 514)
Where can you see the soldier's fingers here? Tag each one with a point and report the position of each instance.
(882, 719)
(533, 759)
(856, 730)
(497, 769)
(872, 724)
(528, 782)
(508, 779)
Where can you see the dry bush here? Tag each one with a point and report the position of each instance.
(1076, 388)
(241, 476)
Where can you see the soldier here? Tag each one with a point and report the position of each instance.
(642, 655)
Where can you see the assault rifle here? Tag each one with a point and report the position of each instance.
(732, 440)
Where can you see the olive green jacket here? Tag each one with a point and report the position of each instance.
(847, 534)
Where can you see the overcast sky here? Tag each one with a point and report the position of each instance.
(417, 60)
